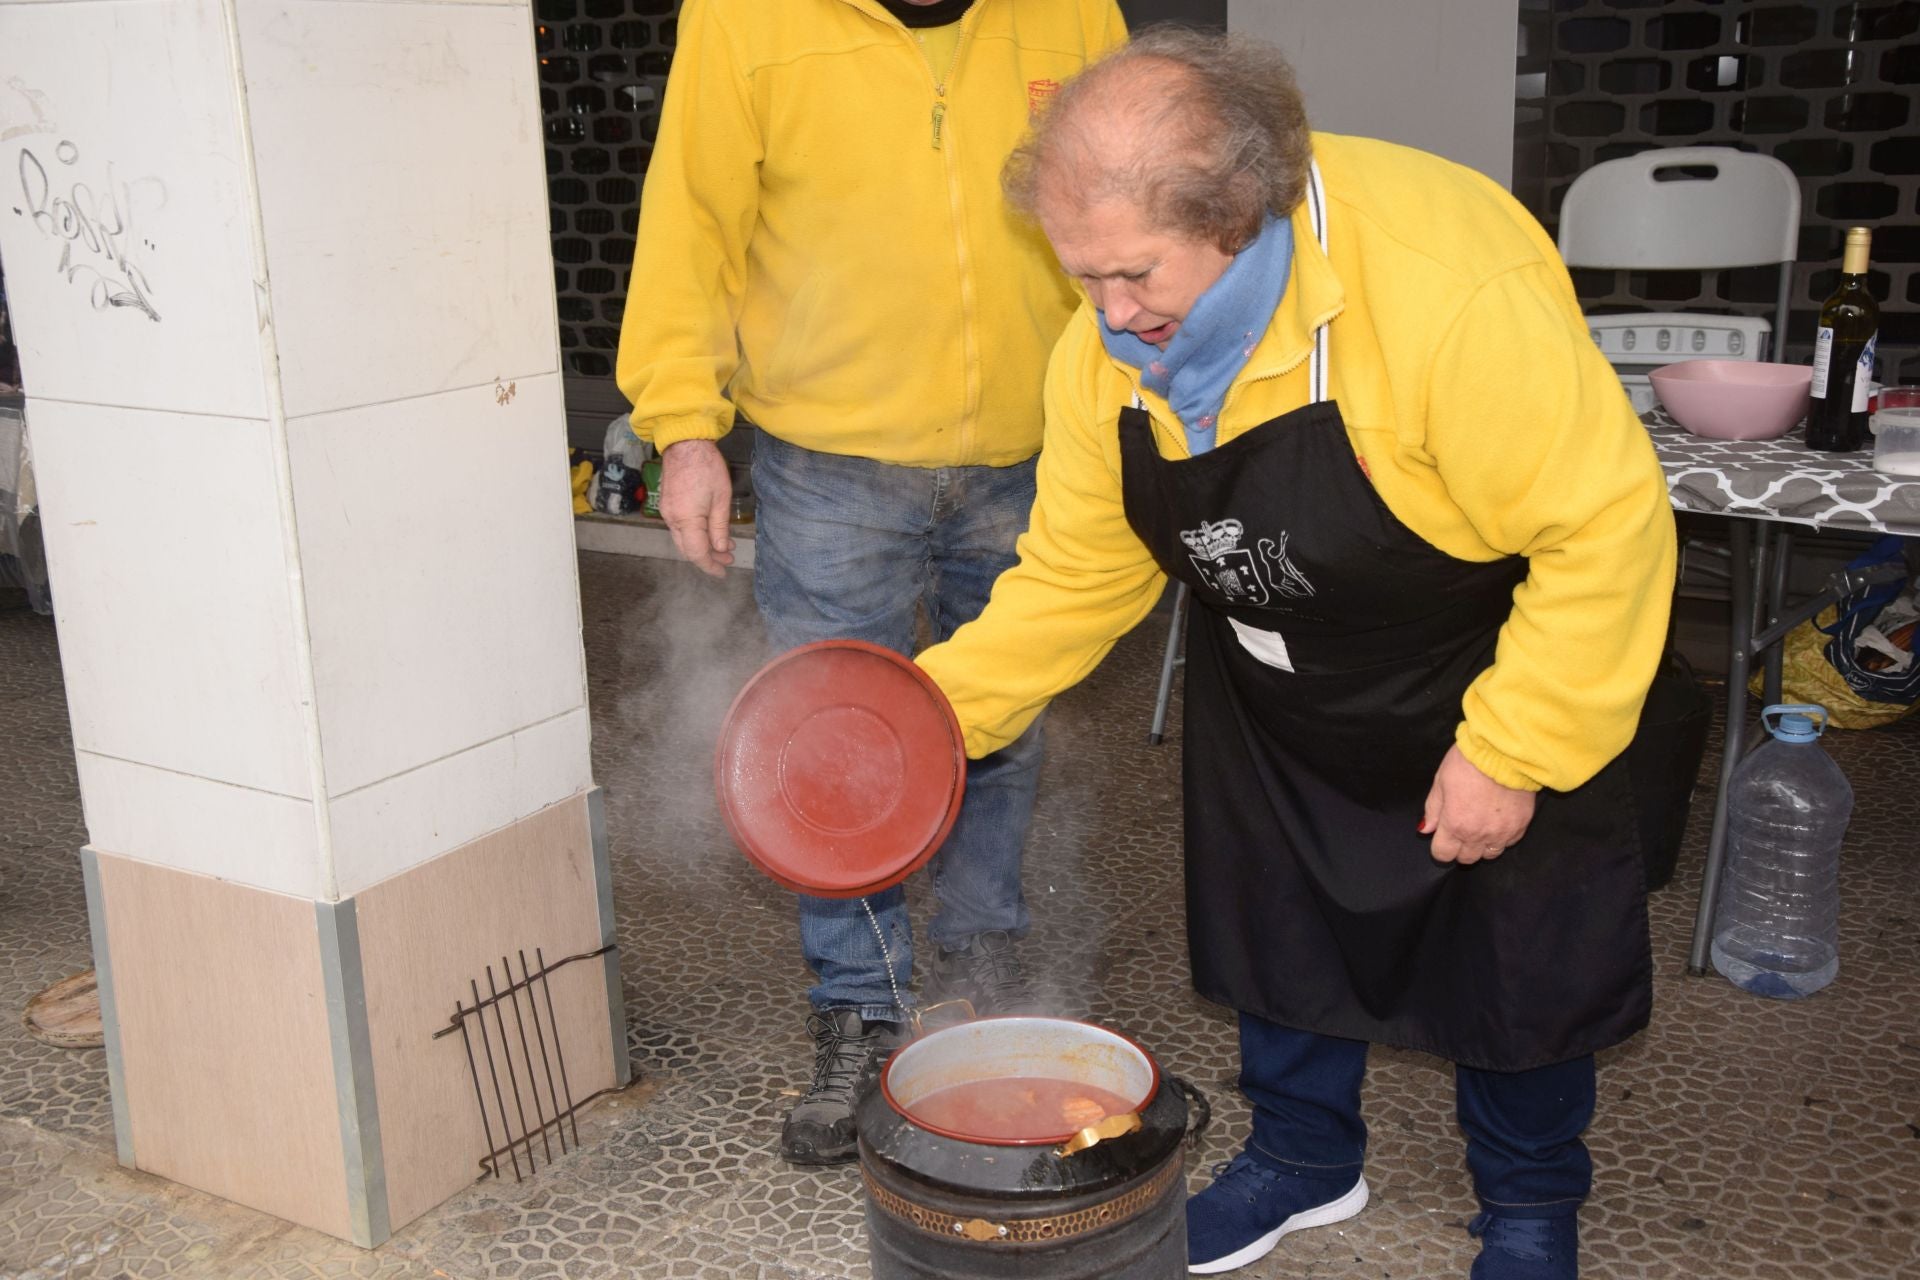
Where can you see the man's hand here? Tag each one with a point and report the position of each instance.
(1470, 815)
(696, 501)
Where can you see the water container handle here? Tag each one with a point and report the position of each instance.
(1813, 711)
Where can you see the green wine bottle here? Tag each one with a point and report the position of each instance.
(1843, 354)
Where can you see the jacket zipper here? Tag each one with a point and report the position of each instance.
(940, 84)
(1280, 371)
(970, 354)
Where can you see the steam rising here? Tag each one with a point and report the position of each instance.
(682, 645)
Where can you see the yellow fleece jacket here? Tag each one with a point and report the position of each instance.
(1474, 398)
(823, 242)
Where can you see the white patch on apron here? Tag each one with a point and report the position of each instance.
(1269, 647)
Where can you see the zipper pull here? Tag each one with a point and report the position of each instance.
(939, 122)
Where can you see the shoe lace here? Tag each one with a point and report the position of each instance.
(838, 1059)
(994, 968)
(1248, 1179)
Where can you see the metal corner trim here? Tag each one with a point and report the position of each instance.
(603, 891)
(109, 1010)
(339, 933)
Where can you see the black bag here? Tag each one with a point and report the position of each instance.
(1663, 762)
(1860, 611)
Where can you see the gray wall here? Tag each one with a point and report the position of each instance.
(1434, 76)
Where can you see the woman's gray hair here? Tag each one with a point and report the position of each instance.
(1205, 133)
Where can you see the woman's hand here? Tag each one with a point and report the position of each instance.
(1470, 815)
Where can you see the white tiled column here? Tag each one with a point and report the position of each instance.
(283, 292)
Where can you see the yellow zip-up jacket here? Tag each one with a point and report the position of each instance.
(1475, 399)
(823, 243)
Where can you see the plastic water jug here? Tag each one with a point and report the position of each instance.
(1776, 926)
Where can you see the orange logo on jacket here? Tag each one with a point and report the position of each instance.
(1039, 94)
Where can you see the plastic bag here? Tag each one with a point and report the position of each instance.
(621, 443)
(617, 485)
(1848, 659)
(23, 561)
(1872, 644)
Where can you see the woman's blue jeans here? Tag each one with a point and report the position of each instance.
(1523, 1127)
(850, 548)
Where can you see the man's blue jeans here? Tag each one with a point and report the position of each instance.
(1523, 1127)
(849, 548)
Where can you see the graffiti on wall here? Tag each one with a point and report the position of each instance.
(93, 221)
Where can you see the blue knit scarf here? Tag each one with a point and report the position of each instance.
(1218, 335)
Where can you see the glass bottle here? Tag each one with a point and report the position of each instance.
(1843, 354)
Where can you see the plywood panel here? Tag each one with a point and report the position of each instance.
(423, 935)
(223, 1040)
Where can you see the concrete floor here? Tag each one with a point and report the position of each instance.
(1738, 1138)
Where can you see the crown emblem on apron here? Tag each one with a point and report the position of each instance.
(1214, 538)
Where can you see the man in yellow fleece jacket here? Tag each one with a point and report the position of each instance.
(1344, 392)
(824, 250)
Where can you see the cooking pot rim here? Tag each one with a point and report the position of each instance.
(886, 1079)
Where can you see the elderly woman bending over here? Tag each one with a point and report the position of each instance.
(1342, 390)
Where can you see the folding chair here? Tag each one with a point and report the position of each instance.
(1687, 208)
(1168, 661)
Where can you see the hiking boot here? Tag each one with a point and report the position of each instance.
(1250, 1206)
(1526, 1248)
(847, 1056)
(985, 973)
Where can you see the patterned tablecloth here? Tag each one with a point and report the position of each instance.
(1782, 480)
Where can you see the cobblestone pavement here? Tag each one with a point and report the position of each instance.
(1738, 1138)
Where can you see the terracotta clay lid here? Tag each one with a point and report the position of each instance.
(840, 768)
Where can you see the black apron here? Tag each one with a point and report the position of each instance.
(1312, 899)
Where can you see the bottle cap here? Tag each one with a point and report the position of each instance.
(1794, 722)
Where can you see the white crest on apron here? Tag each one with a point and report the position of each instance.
(1235, 572)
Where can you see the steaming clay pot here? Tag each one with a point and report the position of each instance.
(942, 1205)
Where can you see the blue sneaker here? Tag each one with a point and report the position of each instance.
(1250, 1206)
(1526, 1248)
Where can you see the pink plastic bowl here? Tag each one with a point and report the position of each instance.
(1734, 399)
